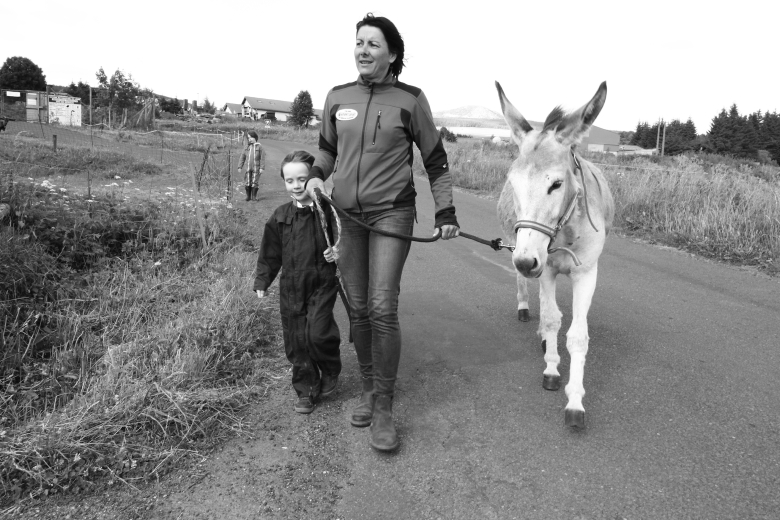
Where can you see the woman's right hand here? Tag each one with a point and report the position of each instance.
(313, 183)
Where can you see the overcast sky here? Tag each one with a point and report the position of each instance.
(670, 59)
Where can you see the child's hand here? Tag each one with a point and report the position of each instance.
(331, 254)
(260, 294)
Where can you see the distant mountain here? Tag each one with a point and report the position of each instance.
(468, 112)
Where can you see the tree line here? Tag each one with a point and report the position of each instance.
(754, 136)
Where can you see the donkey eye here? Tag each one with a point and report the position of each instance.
(555, 186)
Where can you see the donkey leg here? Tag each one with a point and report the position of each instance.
(522, 298)
(583, 287)
(549, 325)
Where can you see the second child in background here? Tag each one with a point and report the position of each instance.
(254, 158)
(294, 242)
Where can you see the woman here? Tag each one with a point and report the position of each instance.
(368, 126)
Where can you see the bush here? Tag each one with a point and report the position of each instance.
(447, 135)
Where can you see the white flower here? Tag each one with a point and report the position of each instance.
(117, 177)
(157, 263)
(63, 189)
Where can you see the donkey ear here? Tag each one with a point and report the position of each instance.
(517, 123)
(576, 125)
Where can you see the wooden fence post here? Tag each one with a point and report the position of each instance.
(54, 140)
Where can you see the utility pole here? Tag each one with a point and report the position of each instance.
(663, 141)
(90, 106)
(658, 137)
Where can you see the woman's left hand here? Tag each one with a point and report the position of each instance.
(449, 231)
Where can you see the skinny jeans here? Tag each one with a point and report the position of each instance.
(371, 266)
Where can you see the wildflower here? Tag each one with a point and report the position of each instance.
(157, 263)
(77, 458)
(63, 189)
(117, 177)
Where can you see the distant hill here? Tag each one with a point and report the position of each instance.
(469, 112)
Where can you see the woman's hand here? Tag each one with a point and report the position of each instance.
(449, 231)
(260, 294)
(313, 183)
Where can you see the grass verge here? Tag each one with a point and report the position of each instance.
(123, 344)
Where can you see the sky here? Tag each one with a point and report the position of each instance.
(666, 59)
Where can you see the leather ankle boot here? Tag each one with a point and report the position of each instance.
(248, 193)
(254, 193)
(362, 413)
(383, 434)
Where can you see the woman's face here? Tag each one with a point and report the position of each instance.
(372, 55)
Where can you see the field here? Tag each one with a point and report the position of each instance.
(129, 339)
(706, 204)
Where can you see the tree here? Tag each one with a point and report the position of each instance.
(208, 106)
(22, 74)
(122, 90)
(302, 109)
(172, 106)
(80, 91)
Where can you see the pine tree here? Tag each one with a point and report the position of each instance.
(771, 135)
(302, 109)
(718, 134)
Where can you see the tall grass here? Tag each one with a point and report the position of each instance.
(717, 206)
(124, 344)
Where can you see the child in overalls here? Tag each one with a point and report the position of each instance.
(293, 241)
(254, 157)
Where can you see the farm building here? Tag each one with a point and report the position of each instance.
(271, 109)
(30, 105)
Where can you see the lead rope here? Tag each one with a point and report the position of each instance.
(334, 255)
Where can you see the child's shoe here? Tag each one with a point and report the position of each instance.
(304, 405)
(328, 385)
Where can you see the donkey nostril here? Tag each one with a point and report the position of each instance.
(536, 263)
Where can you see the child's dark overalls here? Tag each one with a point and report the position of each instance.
(293, 241)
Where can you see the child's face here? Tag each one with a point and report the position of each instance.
(295, 175)
(252, 140)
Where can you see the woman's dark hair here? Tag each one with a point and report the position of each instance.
(297, 156)
(393, 37)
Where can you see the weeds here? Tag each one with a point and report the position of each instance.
(122, 345)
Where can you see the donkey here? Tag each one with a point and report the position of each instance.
(557, 210)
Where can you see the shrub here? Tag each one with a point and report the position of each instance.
(447, 135)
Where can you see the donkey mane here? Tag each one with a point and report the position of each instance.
(554, 119)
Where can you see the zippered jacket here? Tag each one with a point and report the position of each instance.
(254, 157)
(366, 142)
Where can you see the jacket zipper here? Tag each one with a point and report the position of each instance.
(362, 143)
(377, 126)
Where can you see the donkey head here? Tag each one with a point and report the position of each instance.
(543, 177)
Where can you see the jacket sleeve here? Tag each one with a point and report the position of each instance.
(261, 160)
(326, 157)
(428, 140)
(242, 160)
(269, 259)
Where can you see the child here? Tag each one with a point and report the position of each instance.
(293, 241)
(254, 157)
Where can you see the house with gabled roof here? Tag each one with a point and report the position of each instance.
(235, 109)
(271, 109)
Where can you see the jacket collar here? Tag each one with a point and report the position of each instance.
(379, 86)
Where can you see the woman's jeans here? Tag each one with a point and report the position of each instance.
(371, 265)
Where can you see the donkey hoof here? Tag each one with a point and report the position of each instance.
(575, 419)
(552, 383)
(523, 315)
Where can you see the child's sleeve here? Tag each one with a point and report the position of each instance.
(242, 160)
(262, 158)
(269, 259)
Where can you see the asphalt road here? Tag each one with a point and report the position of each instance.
(682, 395)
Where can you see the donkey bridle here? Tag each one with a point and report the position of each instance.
(552, 232)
